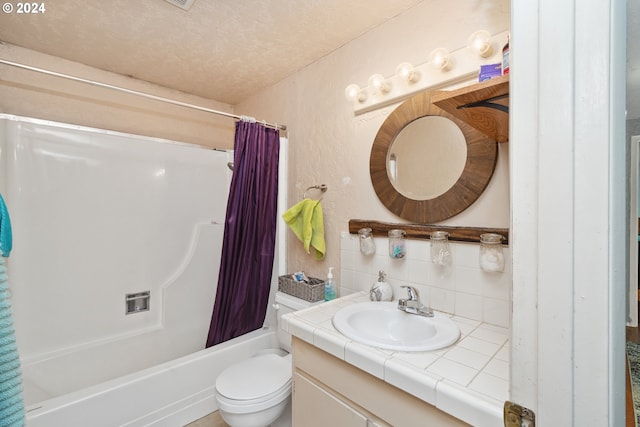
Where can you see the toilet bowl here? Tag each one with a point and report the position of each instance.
(254, 393)
(257, 392)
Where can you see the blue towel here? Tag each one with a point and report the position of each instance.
(11, 393)
(11, 401)
(6, 240)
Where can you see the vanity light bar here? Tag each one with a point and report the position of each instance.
(463, 66)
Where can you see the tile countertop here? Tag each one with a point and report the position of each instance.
(469, 380)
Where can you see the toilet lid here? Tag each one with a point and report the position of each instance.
(254, 378)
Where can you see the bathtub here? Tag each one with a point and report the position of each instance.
(171, 394)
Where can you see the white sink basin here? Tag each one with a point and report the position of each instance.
(383, 325)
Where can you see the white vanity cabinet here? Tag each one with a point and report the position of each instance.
(328, 391)
(316, 406)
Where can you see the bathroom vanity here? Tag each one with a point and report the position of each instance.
(330, 392)
(340, 382)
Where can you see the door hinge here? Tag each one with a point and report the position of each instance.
(518, 416)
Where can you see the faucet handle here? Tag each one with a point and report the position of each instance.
(413, 293)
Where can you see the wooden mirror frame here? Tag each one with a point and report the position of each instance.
(482, 156)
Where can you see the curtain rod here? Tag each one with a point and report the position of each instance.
(142, 94)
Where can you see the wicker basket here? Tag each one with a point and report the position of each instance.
(312, 291)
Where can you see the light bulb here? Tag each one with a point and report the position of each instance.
(480, 43)
(354, 93)
(407, 72)
(439, 58)
(378, 83)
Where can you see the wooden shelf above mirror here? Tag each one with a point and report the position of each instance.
(485, 106)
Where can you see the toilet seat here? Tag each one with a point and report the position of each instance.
(254, 384)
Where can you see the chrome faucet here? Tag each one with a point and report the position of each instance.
(412, 305)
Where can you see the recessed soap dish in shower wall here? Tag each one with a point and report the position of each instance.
(138, 302)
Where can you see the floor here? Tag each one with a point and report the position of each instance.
(633, 335)
(212, 420)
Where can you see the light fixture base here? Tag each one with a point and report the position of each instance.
(463, 69)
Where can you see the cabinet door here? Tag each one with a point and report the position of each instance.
(315, 407)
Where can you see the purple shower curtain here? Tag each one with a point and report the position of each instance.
(249, 235)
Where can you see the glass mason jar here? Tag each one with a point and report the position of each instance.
(440, 251)
(367, 245)
(491, 256)
(397, 244)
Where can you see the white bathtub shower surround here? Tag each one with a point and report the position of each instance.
(462, 288)
(103, 214)
(177, 334)
(167, 395)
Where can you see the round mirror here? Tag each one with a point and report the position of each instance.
(420, 167)
(426, 158)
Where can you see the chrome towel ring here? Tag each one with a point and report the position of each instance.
(322, 187)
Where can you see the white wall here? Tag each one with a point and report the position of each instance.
(570, 215)
(633, 141)
(329, 145)
(31, 94)
(461, 288)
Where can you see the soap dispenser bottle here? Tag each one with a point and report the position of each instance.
(381, 290)
(329, 286)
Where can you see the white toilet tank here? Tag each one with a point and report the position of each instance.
(286, 303)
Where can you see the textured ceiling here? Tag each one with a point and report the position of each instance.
(219, 49)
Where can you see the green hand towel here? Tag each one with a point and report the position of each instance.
(306, 221)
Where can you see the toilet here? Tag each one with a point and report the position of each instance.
(257, 392)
